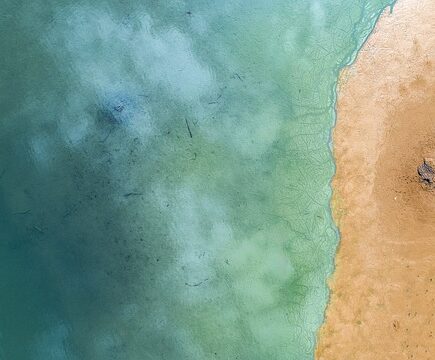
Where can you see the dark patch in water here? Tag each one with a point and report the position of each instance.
(113, 113)
(117, 110)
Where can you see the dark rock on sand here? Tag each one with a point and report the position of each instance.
(427, 171)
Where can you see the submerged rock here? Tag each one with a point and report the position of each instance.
(427, 171)
(118, 108)
(114, 112)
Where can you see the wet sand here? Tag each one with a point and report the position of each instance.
(382, 293)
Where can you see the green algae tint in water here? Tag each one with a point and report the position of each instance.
(164, 176)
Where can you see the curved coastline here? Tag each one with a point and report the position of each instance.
(384, 229)
(346, 63)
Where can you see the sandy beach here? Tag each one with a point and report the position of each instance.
(382, 292)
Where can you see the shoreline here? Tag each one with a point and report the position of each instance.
(384, 229)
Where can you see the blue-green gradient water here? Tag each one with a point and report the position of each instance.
(164, 175)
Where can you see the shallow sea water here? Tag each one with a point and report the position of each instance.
(164, 176)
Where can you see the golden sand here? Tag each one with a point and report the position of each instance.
(382, 293)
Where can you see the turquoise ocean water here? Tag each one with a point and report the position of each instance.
(165, 174)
